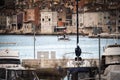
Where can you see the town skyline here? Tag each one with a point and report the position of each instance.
(58, 15)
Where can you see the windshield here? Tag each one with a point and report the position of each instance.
(22, 75)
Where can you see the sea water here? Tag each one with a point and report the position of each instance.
(25, 45)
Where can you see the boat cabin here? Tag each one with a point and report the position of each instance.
(111, 55)
(9, 58)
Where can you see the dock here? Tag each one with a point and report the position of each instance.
(7, 43)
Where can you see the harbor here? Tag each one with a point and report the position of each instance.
(52, 54)
(25, 45)
(59, 40)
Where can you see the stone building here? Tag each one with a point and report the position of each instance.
(48, 21)
(29, 18)
(4, 23)
(92, 22)
(11, 24)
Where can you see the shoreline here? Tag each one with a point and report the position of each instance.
(55, 34)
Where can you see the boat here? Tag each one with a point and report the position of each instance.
(110, 60)
(81, 68)
(11, 68)
(82, 72)
(63, 37)
(110, 63)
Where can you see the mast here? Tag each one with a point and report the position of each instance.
(77, 49)
(77, 21)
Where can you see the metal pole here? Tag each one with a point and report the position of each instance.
(99, 59)
(34, 41)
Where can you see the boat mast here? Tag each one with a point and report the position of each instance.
(77, 49)
(77, 21)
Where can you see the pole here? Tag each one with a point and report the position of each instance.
(34, 40)
(99, 59)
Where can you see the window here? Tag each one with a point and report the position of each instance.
(108, 17)
(49, 19)
(42, 19)
(21, 74)
(104, 17)
(2, 73)
(119, 21)
(9, 61)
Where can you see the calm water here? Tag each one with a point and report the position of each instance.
(25, 45)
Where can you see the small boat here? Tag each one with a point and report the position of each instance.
(11, 68)
(63, 37)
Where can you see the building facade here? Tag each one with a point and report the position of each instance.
(92, 22)
(48, 21)
(5, 23)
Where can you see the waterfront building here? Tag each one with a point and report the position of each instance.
(19, 20)
(29, 18)
(80, 18)
(61, 24)
(60, 16)
(48, 21)
(4, 23)
(92, 24)
(14, 23)
(11, 23)
(111, 21)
